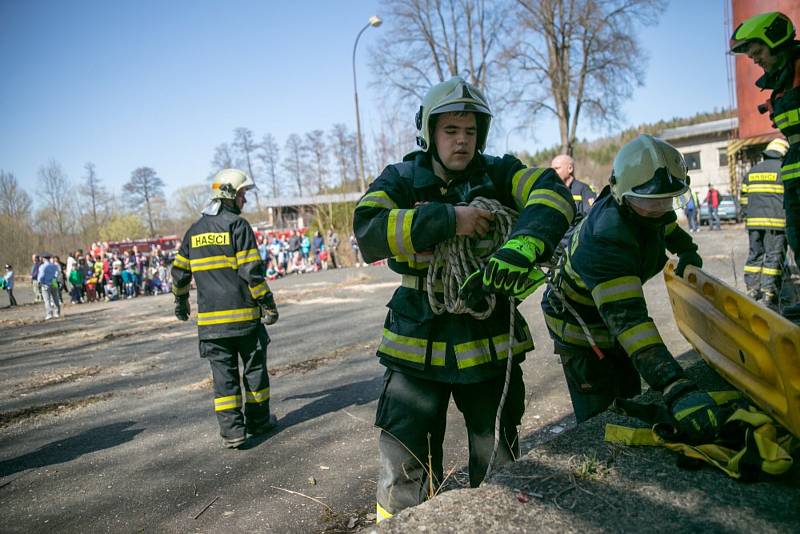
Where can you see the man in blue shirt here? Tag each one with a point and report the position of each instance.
(48, 284)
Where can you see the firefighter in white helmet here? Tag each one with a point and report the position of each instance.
(220, 252)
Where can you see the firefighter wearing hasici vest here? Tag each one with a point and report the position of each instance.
(220, 252)
(407, 210)
(762, 194)
(618, 247)
(769, 40)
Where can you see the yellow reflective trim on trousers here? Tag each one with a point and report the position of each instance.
(522, 183)
(770, 272)
(670, 228)
(181, 262)
(775, 189)
(259, 290)
(788, 118)
(399, 232)
(257, 397)
(377, 199)
(178, 291)
(227, 403)
(553, 200)
(381, 514)
(213, 262)
(770, 222)
(641, 336)
(752, 269)
(411, 349)
(478, 352)
(622, 288)
(570, 292)
(228, 316)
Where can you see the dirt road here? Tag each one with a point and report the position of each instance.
(106, 420)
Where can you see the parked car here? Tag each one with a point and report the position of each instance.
(729, 210)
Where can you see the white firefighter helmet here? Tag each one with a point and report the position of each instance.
(648, 168)
(228, 182)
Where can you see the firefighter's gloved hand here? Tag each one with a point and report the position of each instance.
(269, 311)
(697, 417)
(508, 268)
(182, 308)
(688, 258)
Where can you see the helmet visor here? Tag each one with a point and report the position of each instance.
(662, 185)
(471, 105)
(651, 207)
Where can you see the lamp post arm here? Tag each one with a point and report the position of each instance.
(361, 178)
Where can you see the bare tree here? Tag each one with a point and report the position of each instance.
(223, 159)
(190, 200)
(575, 57)
(269, 153)
(316, 154)
(55, 193)
(143, 190)
(293, 162)
(95, 195)
(246, 146)
(343, 147)
(430, 41)
(394, 138)
(14, 201)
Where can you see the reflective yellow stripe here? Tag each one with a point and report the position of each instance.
(228, 316)
(639, 337)
(181, 262)
(478, 352)
(572, 294)
(670, 228)
(377, 199)
(259, 290)
(753, 269)
(623, 288)
(788, 118)
(257, 397)
(775, 189)
(399, 232)
(178, 291)
(574, 276)
(577, 198)
(573, 334)
(743, 201)
(553, 200)
(227, 403)
(247, 256)
(769, 222)
(213, 262)
(522, 184)
(770, 272)
(415, 261)
(411, 349)
(789, 172)
(382, 514)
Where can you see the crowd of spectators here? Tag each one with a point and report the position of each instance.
(295, 252)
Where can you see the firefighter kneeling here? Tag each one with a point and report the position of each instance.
(220, 251)
(620, 245)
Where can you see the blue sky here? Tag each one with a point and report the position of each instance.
(161, 83)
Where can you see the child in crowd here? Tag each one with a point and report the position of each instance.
(111, 291)
(91, 287)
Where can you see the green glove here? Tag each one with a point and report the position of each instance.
(508, 268)
(688, 258)
(182, 308)
(698, 418)
(269, 310)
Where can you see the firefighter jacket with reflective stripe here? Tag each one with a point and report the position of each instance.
(611, 255)
(405, 212)
(220, 252)
(762, 192)
(784, 103)
(584, 196)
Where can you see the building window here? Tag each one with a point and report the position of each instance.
(692, 160)
(723, 157)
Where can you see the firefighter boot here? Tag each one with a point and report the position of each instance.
(264, 427)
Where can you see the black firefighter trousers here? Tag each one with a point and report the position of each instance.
(764, 268)
(234, 416)
(412, 414)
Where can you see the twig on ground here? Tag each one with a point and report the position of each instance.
(206, 507)
(304, 495)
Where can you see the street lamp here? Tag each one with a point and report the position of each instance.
(374, 21)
